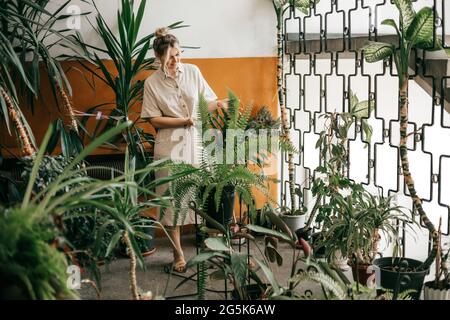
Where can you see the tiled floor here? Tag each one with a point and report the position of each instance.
(115, 277)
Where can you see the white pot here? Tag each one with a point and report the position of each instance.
(435, 294)
(294, 222)
(339, 261)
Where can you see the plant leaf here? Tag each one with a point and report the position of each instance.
(407, 12)
(217, 244)
(377, 51)
(421, 28)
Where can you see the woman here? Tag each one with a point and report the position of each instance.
(170, 100)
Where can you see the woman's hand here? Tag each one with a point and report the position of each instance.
(218, 104)
(223, 104)
(188, 122)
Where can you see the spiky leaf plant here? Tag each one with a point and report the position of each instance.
(129, 57)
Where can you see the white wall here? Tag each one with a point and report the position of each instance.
(232, 28)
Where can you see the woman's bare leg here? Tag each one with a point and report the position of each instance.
(178, 254)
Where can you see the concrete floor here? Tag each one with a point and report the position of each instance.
(115, 277)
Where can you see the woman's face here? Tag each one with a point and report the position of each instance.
(172, 59)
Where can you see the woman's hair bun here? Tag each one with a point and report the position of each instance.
(161, 32)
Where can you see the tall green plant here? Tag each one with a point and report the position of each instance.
(280, 6)
(29, 33)
(415, 30)
(129, 57)
(9, 101)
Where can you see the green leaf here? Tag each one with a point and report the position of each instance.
(217, 244)
(113, 243)
(422, 27)
(202, 257)
(270, 277)
(407, 12)
(269, 232)
(239, 266)
(377, 51)
(361, 110)
(391, 22)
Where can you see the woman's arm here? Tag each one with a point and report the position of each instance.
(168, 122)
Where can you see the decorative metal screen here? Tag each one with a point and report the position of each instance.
(323, 63)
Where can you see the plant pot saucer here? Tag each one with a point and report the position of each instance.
(149, 252)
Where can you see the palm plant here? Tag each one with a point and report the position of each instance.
(123, 211)
(414, 31)
(129, 57)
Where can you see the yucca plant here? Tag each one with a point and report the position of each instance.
(9, 102)
(129, 57)
(415, 31)
(31, 28)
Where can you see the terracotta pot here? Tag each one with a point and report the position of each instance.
(362, 276)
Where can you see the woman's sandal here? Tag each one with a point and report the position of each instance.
(179, 266)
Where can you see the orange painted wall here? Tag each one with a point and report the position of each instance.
(251, 79)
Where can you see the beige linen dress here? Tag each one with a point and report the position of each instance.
(165, 96)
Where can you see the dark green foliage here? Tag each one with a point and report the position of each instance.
(79, 225)
(263, 119)
(30, 267)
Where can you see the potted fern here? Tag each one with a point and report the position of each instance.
(216, 180)
(415, 32)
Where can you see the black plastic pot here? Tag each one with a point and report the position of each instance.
(225, 213)
(399, 275)
(254, 292)
(305, 234)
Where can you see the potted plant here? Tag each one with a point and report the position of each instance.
(355, 226)
(214, 183)
(39, 272)
(439, 288)
(295, 220)
(129, 56)
(414, 31)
